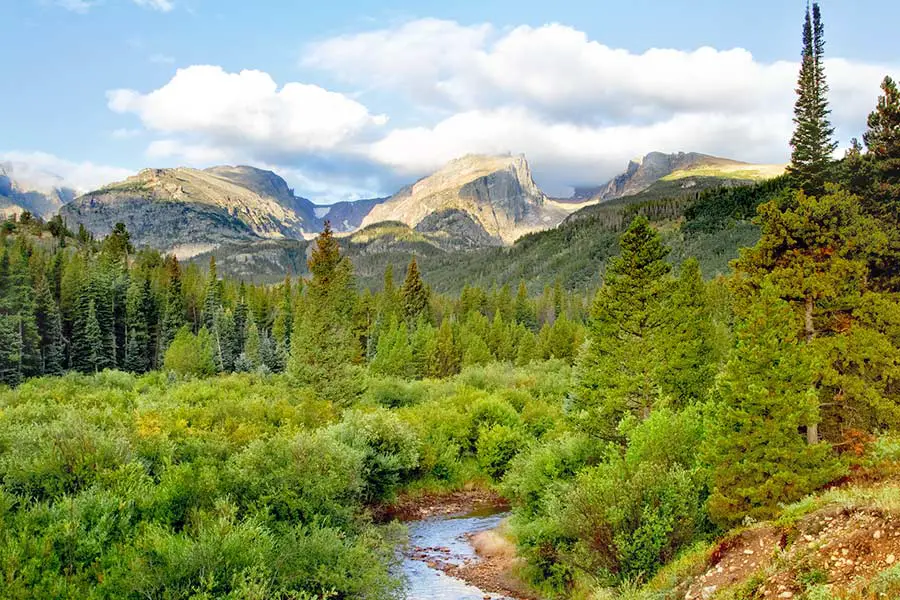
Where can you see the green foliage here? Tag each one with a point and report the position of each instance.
(496, 446)
(191, 355)
(756, 455)
(812, 140)
(389, 449)
(626, 334)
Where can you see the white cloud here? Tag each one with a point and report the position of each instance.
(568, 153)
(160, 5)
(43, 171)
(248, 110)
(556, 70)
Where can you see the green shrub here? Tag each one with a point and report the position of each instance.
(496, 446)
(191, 355)
(629, 522)
(297, 479)
(394, 393)
(389, 449)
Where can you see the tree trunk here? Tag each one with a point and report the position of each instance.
(808, 320)
(812, 434)
(812, 429)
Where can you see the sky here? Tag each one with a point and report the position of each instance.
(354, 98)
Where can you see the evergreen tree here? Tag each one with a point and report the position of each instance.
(17, 301)
(137, 351)
(173, 317)
(757, 458)
(323, 346)
(95, 359)
(414, 294)
(812, 141)
(445, 357)
(394, 354)
(212, 297)
(49, 324)
(617, 371)
(814, 253)
(284, 318)
(252, 345)
(524, 311)
(225, 340)
(527, 350)
(689, 359)
(876, 176)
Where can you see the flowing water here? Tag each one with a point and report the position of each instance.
(442, 540)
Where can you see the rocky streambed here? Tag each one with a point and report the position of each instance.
(460, 556)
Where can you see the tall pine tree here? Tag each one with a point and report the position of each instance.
(626, 333)
(812, 142)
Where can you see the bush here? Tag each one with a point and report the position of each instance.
(630, 522)
(191, 355)
(389, 449)
(497, 445)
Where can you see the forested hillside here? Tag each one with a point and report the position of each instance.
(657, 432)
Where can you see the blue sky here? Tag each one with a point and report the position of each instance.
(353, 98)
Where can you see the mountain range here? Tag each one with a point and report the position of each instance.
(251, 218)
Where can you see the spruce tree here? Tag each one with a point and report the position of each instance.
(814, 252)
(446, 356)
(414, 294)
(173, 317)
(212, 297)
(757, 458)
(323, 345)
(626, 333)
(49, 324)
(690, 359)
(524, 311)
(812, 142)
(137, 350)
(95, 359)
(876, 176)
(252, 345)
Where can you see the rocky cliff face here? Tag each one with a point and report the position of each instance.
(497, 192)
(644, 172)
(41, 196)
(189, 210)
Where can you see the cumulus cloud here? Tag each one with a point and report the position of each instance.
(557, 71)
(248, 110)
(43, 171)
(565, 154)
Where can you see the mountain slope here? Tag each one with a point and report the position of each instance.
(186, 210)
(655, 166)
(497, 192)
(42, 194)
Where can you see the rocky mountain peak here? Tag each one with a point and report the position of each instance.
(496, 191)
(643, 172)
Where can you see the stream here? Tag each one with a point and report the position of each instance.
(442, 540)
